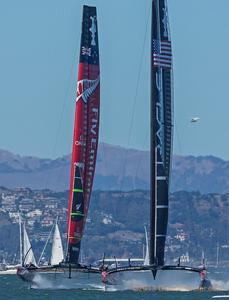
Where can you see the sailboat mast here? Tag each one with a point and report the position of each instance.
(46, 243)
(153, 153)
(160, 129)
(217, 255)
(20, 239)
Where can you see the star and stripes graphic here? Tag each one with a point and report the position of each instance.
(162, 54)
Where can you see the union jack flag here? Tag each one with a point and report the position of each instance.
(86, 51)
(162, 54)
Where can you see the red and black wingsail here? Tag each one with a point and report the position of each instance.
(86, 133)
(161, 129)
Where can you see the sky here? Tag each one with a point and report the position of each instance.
(39, 55)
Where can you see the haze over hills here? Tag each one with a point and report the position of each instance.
(117, 169)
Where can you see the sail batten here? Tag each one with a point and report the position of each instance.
(86, 133)
(161, 129)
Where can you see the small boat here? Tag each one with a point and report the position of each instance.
(57, 255)
(26, 252)
(57, 252)
(6, 269)
(28, 255)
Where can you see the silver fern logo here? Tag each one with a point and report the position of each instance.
(85, 88)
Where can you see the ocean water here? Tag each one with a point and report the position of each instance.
(12, 287)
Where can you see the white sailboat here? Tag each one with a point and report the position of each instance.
(57, 255)
(57, 252)
(28, 255)
(6, 269)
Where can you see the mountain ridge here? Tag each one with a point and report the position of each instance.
(117, 168)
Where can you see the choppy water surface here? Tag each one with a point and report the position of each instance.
(11, 287)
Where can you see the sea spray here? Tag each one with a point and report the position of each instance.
(165, 280)
(80, 281)
(220, 285)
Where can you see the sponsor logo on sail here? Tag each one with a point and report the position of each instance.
(85, 88)
(81, 141)
(78, 206)
(158, 81)
(159, 131)
(80, 165)
(92, 150)
(93, 30)
(86, 51)
(165, 22)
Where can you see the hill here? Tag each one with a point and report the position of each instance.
(115, 222)
(117, 169)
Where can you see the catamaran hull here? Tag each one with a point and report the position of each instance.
(165, 280)
(48, 279)
(9, 272)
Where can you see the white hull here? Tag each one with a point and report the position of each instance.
(9, 272)
(165, 280)
(61, 280)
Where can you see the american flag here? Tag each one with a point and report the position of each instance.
(162, 54)
(86, 51)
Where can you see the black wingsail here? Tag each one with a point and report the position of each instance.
(161, 129)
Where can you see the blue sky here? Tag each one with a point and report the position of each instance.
(38, 69)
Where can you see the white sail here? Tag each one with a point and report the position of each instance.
(146, 261)
(57, 248)
(20, 239)
(27, 250)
